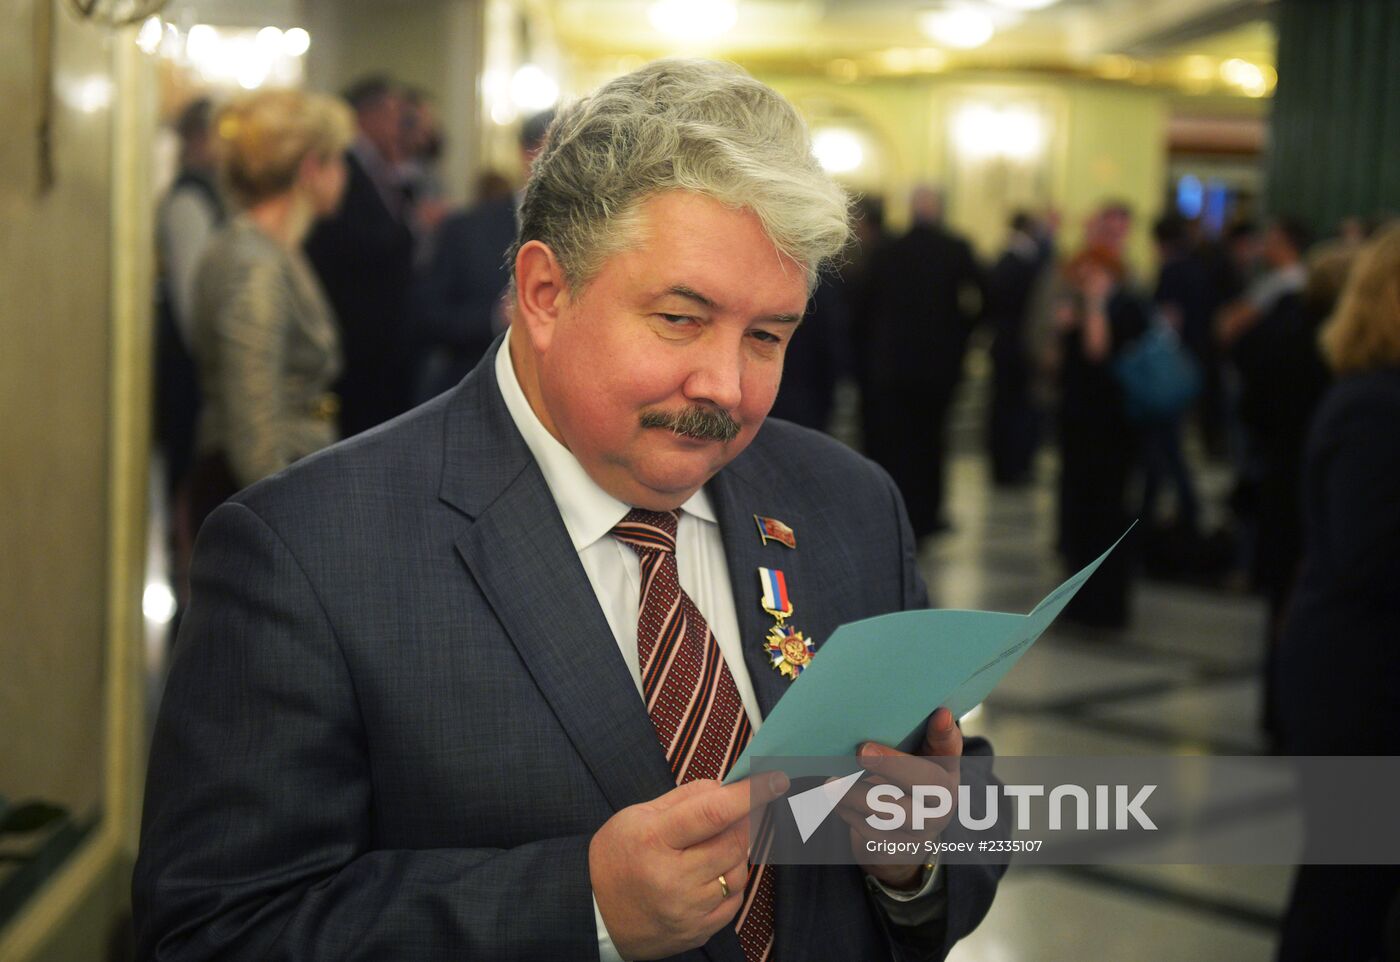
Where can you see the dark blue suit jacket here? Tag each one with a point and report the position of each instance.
(396, 713)
(456, 297)
(363, 255)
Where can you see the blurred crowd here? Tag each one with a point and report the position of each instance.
(315, 283)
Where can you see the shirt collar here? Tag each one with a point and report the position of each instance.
(588, 511)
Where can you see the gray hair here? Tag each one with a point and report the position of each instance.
(694, 125)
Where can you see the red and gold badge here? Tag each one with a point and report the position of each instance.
(789, 651)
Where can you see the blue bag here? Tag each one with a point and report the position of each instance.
(1159, 378)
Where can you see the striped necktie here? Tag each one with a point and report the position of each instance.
(690, 694)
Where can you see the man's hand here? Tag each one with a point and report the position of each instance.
(937, 763)
(655, 867)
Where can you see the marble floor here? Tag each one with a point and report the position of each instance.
(1182, 679)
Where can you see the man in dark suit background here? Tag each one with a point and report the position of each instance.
(464, 686)
(1013, 430)
(923, 299)
(458, 302)
(364, 258)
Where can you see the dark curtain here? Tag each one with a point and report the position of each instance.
(1336, 111)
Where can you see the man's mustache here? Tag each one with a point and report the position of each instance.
(696, 421)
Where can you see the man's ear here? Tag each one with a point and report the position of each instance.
(540, 292)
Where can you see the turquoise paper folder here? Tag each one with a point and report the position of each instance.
(880, 678)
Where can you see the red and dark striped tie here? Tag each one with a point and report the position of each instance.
(690, 694)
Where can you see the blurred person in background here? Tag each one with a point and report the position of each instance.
(191, 211)
(1013, 432)
(421, 152)
(1271, 343)
(1284, 243)
(1106, 233)
(924, 296)
(457, 300)
(869, 238)
(264, 334)
(1354, 231)
(1230, 264)
(363, 255)
(1288, 377)
(1098, 319)
(816, 359)
(1338, 663)
(1182, 297)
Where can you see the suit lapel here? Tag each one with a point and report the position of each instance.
(522, 559)
(520, 555)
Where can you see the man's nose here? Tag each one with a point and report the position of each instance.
(717, 376)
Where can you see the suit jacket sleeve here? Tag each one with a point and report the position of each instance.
(968, 889)
(258, 839)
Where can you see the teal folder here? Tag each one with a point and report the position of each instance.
(880, 678)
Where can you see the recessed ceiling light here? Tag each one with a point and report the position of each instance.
(838, 151)
(961, 27)
(1025, 5)
(693, 19)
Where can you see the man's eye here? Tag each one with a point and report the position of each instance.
(768, 337)
(676, 318)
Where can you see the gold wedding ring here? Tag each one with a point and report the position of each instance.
(724, 886)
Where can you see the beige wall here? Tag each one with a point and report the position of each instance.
(75, 263)
(54, 254)
(1104, 140)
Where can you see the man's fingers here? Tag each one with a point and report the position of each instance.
(714, 855)
(726, 907)
(891, 766)
(682, 792)
(706, 813)
(942, 737)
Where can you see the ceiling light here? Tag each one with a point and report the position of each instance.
(1025, 5)
(961, 27)
(149, 36)
(532, 89)
(202, 42)
(1198, 67)
(296, 42)
(693, 19)
(838, 151)
(252, 73)
(986, 131)
(158, 603)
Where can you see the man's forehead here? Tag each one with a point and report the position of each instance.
(691, 245)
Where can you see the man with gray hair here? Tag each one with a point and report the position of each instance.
(465, 686)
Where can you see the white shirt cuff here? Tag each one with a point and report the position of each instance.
(910, 908)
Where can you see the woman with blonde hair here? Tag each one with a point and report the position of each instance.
(1338, 663)
(265, 337)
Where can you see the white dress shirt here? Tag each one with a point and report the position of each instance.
(613, 569)
(615, 573)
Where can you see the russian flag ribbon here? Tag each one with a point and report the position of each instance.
(775, 594)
